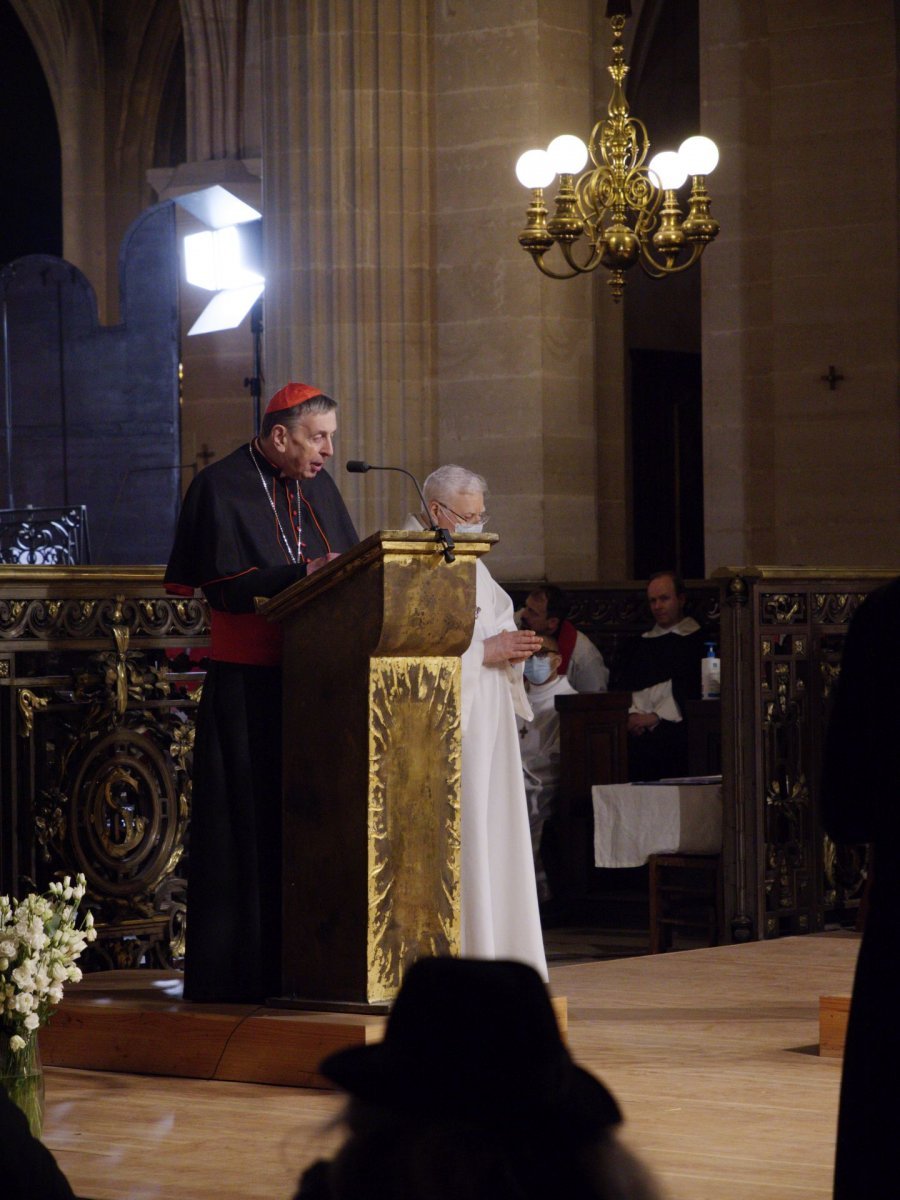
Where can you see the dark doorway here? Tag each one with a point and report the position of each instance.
(667, 462)
(30, 164)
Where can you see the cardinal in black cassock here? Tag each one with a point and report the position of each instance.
(251, 525)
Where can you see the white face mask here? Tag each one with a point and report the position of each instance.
(471, 528)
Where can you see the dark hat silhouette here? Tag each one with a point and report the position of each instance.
(475, 1039)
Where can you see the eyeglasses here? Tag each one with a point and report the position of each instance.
(469, 519)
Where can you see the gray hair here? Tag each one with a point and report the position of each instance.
(449, 479)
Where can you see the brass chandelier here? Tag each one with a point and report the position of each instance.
(626, 211)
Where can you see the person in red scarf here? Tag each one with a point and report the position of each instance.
(582, 663)
(251, 525)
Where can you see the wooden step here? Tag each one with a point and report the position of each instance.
(135, 1022)
(834, 1012)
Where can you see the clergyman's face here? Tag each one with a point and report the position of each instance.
(666, 605)
(458, 508)
(305, 447)
(534, 615)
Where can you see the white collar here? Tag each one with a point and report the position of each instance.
(685, 626)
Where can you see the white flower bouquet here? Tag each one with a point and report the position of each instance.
(40, 939)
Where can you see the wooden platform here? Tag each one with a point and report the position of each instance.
(712, 1055)
(136, 1022)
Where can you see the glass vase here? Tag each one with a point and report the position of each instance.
(22, 1077)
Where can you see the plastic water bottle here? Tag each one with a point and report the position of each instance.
(710, 674)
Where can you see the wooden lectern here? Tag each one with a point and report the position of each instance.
(372, 765)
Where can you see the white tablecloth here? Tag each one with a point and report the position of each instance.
(634, 820)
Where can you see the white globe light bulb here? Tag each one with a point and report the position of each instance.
(699, 155)
(534, 169)
(568, 154)
(668, 169)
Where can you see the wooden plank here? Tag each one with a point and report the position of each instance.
(834, 1012)
(121, 1021)
(138, 1039)
(286, 1048)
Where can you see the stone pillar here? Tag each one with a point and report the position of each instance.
(221, 52)
(215, 36)
(515, 350)
(802, 100)
(347, 206)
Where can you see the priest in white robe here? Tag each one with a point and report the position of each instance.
(498, 903)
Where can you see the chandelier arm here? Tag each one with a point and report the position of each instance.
(539, 263)
(590, 264)
(658, 270)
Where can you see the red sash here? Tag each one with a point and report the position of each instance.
(244, 638)
(565, 636)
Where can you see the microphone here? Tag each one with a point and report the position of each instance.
(357, 466)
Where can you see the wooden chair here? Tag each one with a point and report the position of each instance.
(686, 894)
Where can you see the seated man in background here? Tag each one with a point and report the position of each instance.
(540, 746)
(581, 662)
(662, 673)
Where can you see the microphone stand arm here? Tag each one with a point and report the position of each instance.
(442, 536)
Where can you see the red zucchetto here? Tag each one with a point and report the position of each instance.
(290, 396)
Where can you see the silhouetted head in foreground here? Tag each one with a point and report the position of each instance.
(473, 1095)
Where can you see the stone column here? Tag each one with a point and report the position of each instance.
(221, 40)
(515, 350)
(347, 206)
(803, 102)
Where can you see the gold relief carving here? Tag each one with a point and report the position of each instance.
(785, 609)
(183, 745)
(830, 672)
(4, 668)
(771, 927)
(50, 820)
(836, 608)
(767, 647)
(126, 818)
(122, 637)
(118, 825)
(800, 647)
(29, 704)
(62, 618)
(414, 815)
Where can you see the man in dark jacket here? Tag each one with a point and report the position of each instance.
(251, 525)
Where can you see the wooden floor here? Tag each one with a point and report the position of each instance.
(711, 1053)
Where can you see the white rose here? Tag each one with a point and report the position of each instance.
(16, 1043)
(32, 1021)
(23, 1002)
(8, 948)
(23, 977)
(58, 971)
(55, 993)
(74, 974)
